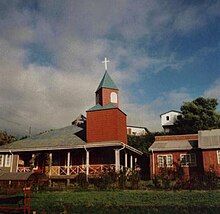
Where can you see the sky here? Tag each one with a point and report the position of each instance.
(162, 53)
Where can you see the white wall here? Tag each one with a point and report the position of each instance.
(172, 115)
(136, 131)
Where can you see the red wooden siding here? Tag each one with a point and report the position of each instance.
(188, 171)
(210, 161)
(105, 96)
(106, 125)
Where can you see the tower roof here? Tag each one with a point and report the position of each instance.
(107, 82)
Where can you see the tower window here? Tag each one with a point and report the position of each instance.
(97, 98)
(167, 118)
(114, 97)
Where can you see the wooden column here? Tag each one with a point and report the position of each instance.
(126, 160)
(131, 162)
(87, 164)
(68, 163)
(17, 163)
(68, 167)
(135, 162)
(50, 163)
(117, 160)
(11, 162)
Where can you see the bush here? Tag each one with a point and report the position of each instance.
(210, 180)
(81, 180)
(122, 179)
(135, 178)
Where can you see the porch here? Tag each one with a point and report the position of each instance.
(67, 164)
(94, 170)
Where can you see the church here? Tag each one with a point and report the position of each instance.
(98, 145)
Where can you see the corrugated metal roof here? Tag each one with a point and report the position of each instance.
(107, 82)
(209, 139)
(173, 145)
(64, 137)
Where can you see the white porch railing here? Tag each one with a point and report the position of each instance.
(24, 169)
(94, 170)
(75, 170)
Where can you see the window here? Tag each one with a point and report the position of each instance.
(7, 160)
(97, 98)
(218, 156)
(188, 160)
(114, 97)
(167, 118)
(1, 160)
(165, 160)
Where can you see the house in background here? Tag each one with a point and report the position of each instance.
(209, 142)
(194, 153)
(137, 130)
(176, 151)
(168, 120)
(63, 153)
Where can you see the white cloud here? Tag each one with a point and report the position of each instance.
(78, 34)
(148, 114)
(214, 90)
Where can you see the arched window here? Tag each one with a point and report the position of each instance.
(114, 98)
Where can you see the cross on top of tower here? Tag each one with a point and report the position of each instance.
(105, 62)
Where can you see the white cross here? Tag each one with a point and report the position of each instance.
(106, 61)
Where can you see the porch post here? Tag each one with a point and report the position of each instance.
(135, 162)
(12, 161)
(87, 164)
(50, 163)
(17, 163)
(131, 162)
(117, 160)
(126, 160)
(68, 163)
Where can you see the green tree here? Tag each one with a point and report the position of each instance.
(142, 142)
(199, 114)
(5, 138)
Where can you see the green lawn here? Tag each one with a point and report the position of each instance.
(129, 201)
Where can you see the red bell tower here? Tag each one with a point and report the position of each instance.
(105, 121)
(107, 91)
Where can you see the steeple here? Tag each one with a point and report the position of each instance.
(107, 82)
(105, 121)
(107, 92)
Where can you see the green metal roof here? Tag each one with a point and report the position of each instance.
(99, 107)
(65, 137)
(107, 82)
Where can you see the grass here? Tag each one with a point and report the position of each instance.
(129, 201)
